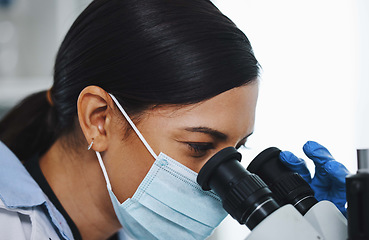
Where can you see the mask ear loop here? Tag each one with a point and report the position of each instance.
(134, 127)
(108, 185)
(138, 134)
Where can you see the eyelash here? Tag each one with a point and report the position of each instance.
(200, 149)
(243, 145)
(240, 146)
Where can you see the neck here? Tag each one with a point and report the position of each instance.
(78, 182)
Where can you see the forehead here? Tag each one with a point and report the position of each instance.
(231, 112)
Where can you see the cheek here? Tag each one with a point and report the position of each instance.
(181, 156)
(185, 155)
(127, 164)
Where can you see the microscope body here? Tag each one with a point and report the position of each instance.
(285, 223)
(271, 200)
(327, 220)
(289, 187)
(322, 221)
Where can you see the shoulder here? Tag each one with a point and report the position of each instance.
(25, 223)
(14, 224)
(17, 187)
(24, 208)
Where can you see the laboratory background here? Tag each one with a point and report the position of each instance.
(314, 57)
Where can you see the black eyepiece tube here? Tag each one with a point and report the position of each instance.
(287, 186)
(244, 195)
(357, 194)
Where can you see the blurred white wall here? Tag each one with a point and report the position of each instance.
(315, 79)
(30, 34)
(28, 38)
(362, 93)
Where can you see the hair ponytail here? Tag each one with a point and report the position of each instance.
(28, 129)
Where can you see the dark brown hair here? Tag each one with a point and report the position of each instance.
(145, 52)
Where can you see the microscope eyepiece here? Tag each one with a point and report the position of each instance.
(244, 195)
(287, 186)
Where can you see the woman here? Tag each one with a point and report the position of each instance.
(153, 89)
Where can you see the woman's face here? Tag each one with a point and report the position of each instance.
(189, 134)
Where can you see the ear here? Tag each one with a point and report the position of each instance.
(94, 107)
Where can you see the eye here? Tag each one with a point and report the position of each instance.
(200, 149)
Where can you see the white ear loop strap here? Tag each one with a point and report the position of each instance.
(103, 170)
(134, 127)
(138, 134)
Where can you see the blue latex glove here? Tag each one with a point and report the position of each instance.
(328, 182)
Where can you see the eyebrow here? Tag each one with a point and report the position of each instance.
(212, 132)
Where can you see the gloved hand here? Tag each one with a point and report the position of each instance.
(328, 182)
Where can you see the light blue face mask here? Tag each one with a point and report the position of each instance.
(168, 204)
